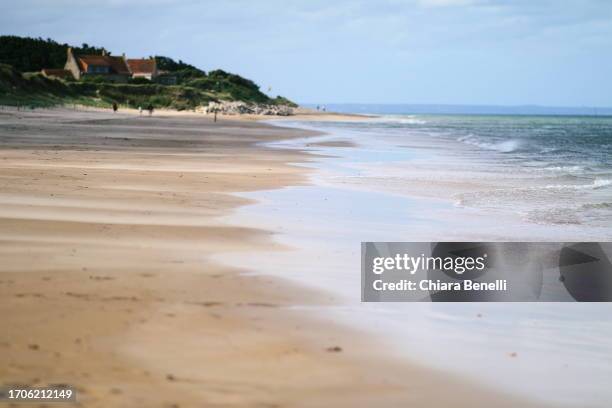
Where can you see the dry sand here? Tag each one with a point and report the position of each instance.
(107, 223)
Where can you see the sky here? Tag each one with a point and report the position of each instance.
(490, 52)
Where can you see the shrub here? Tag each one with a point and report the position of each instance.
(281, 100)
(140, 81)
(96, 79)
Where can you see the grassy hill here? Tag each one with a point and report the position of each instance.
(34, 90)
(194, 86)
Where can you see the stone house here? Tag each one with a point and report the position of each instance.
(116, 69)
(113, 68)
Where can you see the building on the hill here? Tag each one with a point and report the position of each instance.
(113, 68)
(143, 68)
(116, 69)
(57, 73)
(147, 68)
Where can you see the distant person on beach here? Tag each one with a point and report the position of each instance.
(140, 110)
(115, 107)
(150, 109)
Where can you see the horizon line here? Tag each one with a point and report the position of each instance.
(477, 105)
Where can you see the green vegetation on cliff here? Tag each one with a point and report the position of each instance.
(34, 90)
(21, 60)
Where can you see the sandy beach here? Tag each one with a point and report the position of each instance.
(107, 225)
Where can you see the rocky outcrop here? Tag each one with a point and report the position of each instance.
(242, 108)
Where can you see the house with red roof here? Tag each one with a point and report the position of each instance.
(116, 69)
(113, 68)
(143, 68)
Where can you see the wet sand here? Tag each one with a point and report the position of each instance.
(107, 226)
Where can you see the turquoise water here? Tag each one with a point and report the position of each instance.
(545, 169)
(580, 143)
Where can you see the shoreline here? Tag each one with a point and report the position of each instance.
(303, 218)
(109, 224)
(301, 114)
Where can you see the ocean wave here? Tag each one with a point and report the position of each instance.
(506, 146)
(566, 169)
(596, 184)
(407, 120)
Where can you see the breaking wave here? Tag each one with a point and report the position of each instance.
(404, 120)
(506, 146)
(596, 184)
(566, 169)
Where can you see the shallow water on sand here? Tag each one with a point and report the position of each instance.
(416, 188)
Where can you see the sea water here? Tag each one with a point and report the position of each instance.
(454, 177)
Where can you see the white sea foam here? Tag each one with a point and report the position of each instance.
(565, 169)
(405, 120)
(506, 146)
(596, 184)
(527, 196)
